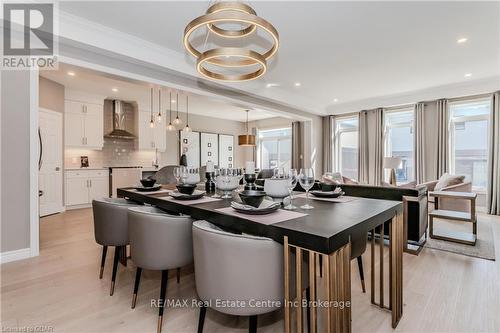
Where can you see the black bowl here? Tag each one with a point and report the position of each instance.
(327, 187)
(148, 182)
(186, 188)
(252, 198)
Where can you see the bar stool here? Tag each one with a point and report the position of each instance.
(111, 229)
(159, 241)
(233, 267)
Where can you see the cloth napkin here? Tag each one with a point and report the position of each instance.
(264, 205)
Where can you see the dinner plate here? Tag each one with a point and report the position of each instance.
(327, 194)
(181, 196)
(141, 188)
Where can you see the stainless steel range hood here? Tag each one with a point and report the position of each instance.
(119, 131)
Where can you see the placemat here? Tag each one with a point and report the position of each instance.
(152, 192)
(190, 202)
(344, 198)
(279, 215)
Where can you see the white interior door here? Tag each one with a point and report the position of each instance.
(50, 166)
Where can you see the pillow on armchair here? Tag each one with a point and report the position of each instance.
(448, 180)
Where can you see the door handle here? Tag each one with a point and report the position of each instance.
(90, 181)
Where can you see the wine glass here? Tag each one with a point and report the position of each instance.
(279, 173)
(184, 174)
(306, 180)
(213, 180)
(292, 182)
(177, 174)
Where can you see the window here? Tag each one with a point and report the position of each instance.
(275, 148)
(399, 142)
(469, 124)
(346, 146)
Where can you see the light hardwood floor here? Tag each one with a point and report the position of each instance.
(443, 292)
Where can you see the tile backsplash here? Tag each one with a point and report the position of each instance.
(114, 153)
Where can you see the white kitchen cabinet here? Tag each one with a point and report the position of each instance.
(99, 188)
(83, 125)
(151, 138)
(77, 192)
(83, 186)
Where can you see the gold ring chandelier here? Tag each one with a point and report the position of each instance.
(231, 12)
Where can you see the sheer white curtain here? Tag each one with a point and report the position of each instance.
(371, 146)
(494, 157)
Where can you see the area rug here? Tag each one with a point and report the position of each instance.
(485, 243)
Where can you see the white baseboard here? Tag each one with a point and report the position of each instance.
(78, 206)
(14, 255)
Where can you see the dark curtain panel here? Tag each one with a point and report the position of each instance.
(494, 157)
(297, 145)
(328, 144)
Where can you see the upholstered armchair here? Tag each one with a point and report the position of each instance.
(451, 204)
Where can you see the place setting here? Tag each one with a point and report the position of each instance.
(265, 206)
(149, 185)
(186, 188)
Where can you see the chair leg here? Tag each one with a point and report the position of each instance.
(201, 320)
(308, 310)
(252, 327)
(163, 291)
(361, 274)
(136, 285)
(115, 267)
(178, 274)
(103, 260)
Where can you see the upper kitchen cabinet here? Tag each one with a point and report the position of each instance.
(83, 121)
(151, 138)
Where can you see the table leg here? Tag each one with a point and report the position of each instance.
(337, 275)
(396, 248)
(396, 244)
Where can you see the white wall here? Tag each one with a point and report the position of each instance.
(15, 160)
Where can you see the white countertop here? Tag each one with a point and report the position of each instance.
(80, 169)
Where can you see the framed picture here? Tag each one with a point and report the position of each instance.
(190, 145)
(84, 161)
(226, 151)
(209, 148)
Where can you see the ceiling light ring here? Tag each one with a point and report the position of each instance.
(206, 56)
(230, 17)
(227, 7)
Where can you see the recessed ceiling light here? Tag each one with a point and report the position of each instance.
(335, 100)
(114, 89)
(297, 84)
(461, 40)
(468, 75)
(269, 85)
(71, 73)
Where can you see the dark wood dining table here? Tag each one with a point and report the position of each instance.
(323, 236)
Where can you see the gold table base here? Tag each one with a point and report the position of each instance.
(331, 310)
